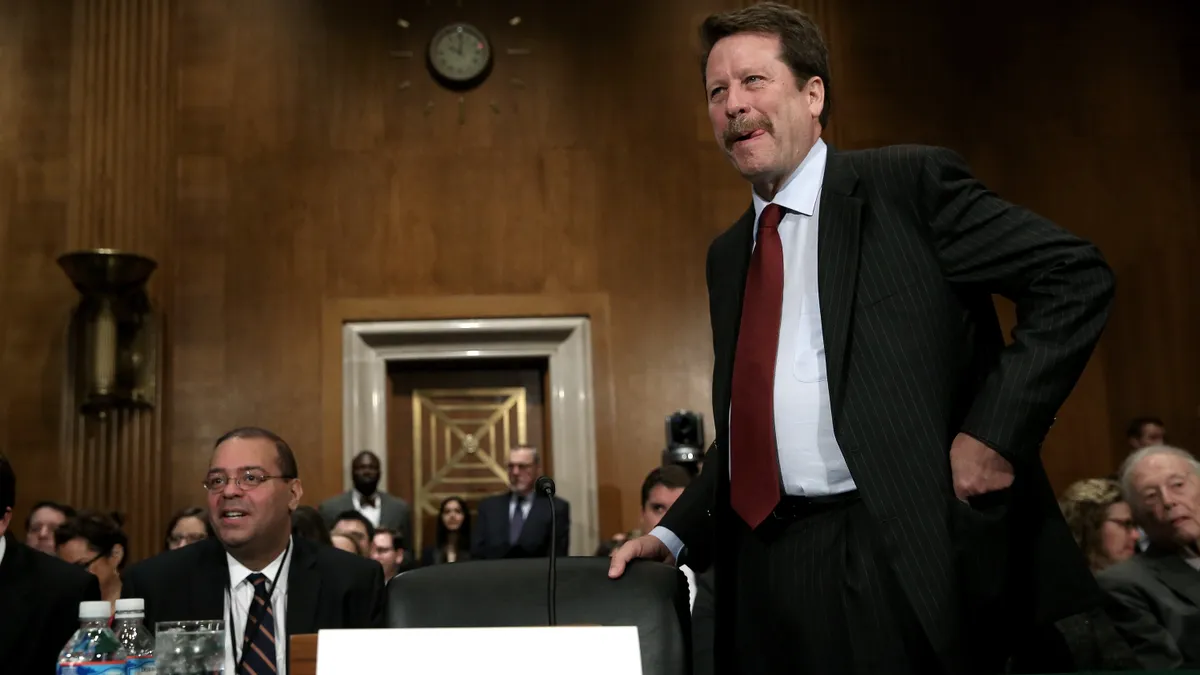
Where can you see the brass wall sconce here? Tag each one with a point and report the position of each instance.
(113, 339)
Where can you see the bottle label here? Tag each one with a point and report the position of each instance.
(93, 668)
(140, 666)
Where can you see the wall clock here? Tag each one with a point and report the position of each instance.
(458, 59)
(460, 56)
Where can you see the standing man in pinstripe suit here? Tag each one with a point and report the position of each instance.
(876, 502)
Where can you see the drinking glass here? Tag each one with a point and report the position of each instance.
(189, 647)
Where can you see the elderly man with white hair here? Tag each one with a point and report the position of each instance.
(1156, 595)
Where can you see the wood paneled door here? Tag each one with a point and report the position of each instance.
(451, 425)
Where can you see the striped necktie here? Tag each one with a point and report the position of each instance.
(258, 648)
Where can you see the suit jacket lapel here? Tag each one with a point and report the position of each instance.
(303, 589)
(530, 531)
(838, 247)
(12, 570)
(211, 583)
(1181, 577)
(388, 510)
(729, 288)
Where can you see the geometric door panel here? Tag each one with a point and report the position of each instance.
(461, 439)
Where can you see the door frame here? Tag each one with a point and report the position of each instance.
(360, 336)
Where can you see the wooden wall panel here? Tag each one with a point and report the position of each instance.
(286, 159)
(35, 297)
(92, 153)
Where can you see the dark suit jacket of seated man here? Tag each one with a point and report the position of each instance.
(500, 532)
(264, 583)
(39, 594)
(326, 587)
(1155, 596)
(39, 606)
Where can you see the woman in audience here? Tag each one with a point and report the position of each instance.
(96, 542)
(453, 541)
(346, 543)
(1101, 521)
(307, 523)
(187, 527)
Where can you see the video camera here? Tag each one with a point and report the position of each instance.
(685, 440)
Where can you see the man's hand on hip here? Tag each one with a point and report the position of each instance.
(647, 547)
(977, 469)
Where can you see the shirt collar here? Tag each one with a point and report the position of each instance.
(359, 497)
(801, 189)
(238, 572)
(3, 547)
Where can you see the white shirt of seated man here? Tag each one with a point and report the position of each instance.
(660, 490)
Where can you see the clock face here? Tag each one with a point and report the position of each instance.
(460, 54)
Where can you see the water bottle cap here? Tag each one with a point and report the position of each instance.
(94, 609)
(131, 605)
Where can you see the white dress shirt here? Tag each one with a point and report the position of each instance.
(3, 545)
(526, 505)
(243, 595)
(691, 579)
(373, 512)
(810, 461)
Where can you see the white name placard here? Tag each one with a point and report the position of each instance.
(579, 650)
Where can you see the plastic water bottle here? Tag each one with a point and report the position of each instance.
(131, 631)
(94, 648)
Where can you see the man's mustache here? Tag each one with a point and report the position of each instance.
(745, 125)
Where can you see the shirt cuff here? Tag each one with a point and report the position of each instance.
(668, 538)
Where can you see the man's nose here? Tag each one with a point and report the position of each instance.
(1169, 500)
(735, 105)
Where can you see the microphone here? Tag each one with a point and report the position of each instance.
(545, 486)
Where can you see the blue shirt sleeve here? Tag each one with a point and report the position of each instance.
(672, 542)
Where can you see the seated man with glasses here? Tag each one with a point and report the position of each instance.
(516, 524)
(265, 584)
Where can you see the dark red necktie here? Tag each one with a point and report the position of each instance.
(754, 473)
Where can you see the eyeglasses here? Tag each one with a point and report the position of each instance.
(88, 563)
(186, 538)
(246, 482)
(516, 466)
(1129, 525)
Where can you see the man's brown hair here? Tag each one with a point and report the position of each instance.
(802, 47)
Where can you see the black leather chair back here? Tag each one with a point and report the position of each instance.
(484, 593)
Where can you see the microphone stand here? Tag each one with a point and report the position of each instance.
(545, 485)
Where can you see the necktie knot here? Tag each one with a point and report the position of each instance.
(368, 502)
(771, 217)
(258, 579)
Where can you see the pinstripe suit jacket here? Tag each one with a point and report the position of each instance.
(911, 248)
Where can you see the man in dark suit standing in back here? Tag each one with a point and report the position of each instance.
(517, 524)
(876, 502)
(382, 509)
(39, 595)
(266, 584)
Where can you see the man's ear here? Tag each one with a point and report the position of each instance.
(297, 493)
(814, 91)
